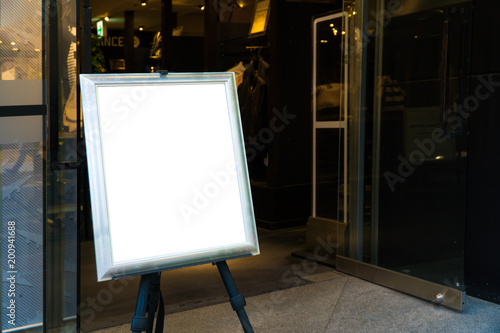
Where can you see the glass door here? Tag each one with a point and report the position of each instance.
(422, 145)
(408, 165)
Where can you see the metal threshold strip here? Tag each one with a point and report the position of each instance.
(430, 291)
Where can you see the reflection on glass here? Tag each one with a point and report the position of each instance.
(23, 177)
(422, 174)
(329, 69)
(21, 40)
(21, 211)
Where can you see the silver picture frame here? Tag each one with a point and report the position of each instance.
(168, 175)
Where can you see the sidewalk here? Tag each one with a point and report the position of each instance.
(284, 294)
(335, 302)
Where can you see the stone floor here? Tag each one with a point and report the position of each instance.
(284, 294)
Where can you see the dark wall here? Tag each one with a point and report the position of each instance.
(482, 252)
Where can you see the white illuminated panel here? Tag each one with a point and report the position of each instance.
(167, 170)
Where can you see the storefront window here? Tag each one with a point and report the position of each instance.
(38, 206)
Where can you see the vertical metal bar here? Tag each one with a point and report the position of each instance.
(53, 81)
(85, 38)
(85, 58)
(345, 104)
(53, 297)
(377, 117)
(314, 157)
(357, 135)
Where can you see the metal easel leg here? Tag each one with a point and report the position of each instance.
(237, 300)
(147, 301)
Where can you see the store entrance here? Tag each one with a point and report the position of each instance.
(280, 172)
(416, 149)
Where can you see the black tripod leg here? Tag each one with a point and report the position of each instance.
(237, 300)
(140, 321)
(147, 298)
(154, 296)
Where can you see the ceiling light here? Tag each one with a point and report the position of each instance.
(106, 19)
(13, 43)
(143, 3)
(141, 28)
(202, 7)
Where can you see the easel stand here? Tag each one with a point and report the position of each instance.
(237, 300)
(150, 295)
(147, 302)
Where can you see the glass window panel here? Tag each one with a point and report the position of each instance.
(21, 211)
(21, 58)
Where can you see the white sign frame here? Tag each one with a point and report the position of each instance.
(142, 133)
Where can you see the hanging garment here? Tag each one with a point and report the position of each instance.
(252, 95)
(238, 70)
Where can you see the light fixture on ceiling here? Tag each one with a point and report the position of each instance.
(106, 19)
(141, 28)
(143, 3)
(202, 7)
